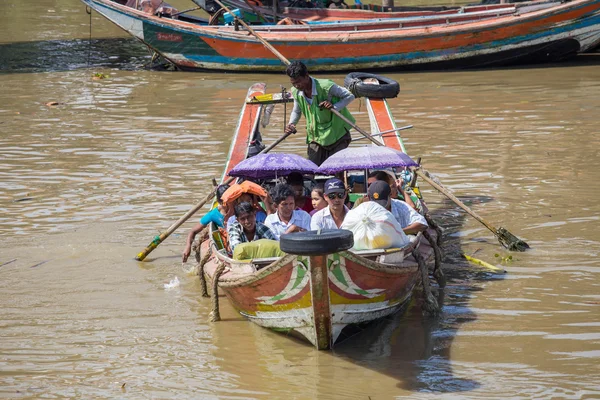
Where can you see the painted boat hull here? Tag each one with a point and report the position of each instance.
(547, 35)
(317, 297)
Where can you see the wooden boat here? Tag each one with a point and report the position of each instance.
(529, 35)
(317, 296)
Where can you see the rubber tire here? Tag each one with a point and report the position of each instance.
(387, 88)
(310, 243)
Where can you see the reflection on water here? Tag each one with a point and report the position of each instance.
(67, 55)
(86, 184)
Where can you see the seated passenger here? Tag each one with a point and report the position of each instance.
(286, 219)
(261, 215)
(296, 181)
(245, 229)
(411, 221)
(247, 191)
(216, 215)
(318, 199)
(395, 185)
(332, 216)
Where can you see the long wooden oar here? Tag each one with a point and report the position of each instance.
(252, 31)
(505, 238)
(161, 238)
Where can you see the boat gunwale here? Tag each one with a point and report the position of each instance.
(262, 273)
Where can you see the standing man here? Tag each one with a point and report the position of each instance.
(326, 133)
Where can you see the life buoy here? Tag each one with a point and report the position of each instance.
(387, 88)
(314, 243)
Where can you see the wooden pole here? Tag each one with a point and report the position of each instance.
(506, 238)
(259, 37)
(161, 238)
(319, 289)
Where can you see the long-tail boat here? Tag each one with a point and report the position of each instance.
(533, 33)
(316, 296)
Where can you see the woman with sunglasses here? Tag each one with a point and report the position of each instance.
(332, 216)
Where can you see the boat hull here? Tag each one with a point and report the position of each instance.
(540, 36)
(317, 297)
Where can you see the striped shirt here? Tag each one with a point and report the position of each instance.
(237, 235)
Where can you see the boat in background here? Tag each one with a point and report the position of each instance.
(316, 296)
(526, 36)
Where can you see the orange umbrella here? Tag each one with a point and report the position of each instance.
(236, 190)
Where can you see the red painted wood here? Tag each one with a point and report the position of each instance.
(241, 138)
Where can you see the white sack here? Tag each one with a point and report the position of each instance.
(374, 227)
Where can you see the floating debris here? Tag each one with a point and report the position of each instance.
(99, 75)
(38, 264)
(483, 264)
(8, 262)
(23, 199)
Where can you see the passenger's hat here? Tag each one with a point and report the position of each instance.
(379, 192)
(334, 185)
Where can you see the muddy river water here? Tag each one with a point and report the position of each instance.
(86, 184)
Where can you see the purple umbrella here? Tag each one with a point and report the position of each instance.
(369, 157)
(273, 165)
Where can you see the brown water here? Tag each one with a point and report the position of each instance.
(85, 185)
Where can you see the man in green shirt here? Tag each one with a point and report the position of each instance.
(326, 133)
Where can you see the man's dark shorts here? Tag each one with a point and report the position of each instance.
(318, 154)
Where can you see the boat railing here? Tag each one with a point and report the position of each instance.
(408, 22)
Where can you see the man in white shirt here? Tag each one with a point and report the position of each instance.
(286, 219)
(411, 221)
(332, 216)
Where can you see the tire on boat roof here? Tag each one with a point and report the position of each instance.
(312, 243)
(387, 88)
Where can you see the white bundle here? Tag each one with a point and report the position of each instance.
(374, 227)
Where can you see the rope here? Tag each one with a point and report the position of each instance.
(430, 304)
(201, 264)
(214, 315)
(352, 87)
(202, 260)
(431, 222)
(438, 273)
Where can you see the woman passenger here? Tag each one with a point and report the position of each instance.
(318, 199)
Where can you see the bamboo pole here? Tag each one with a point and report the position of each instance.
(505, 238)
(161, 238)
(259, 37)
